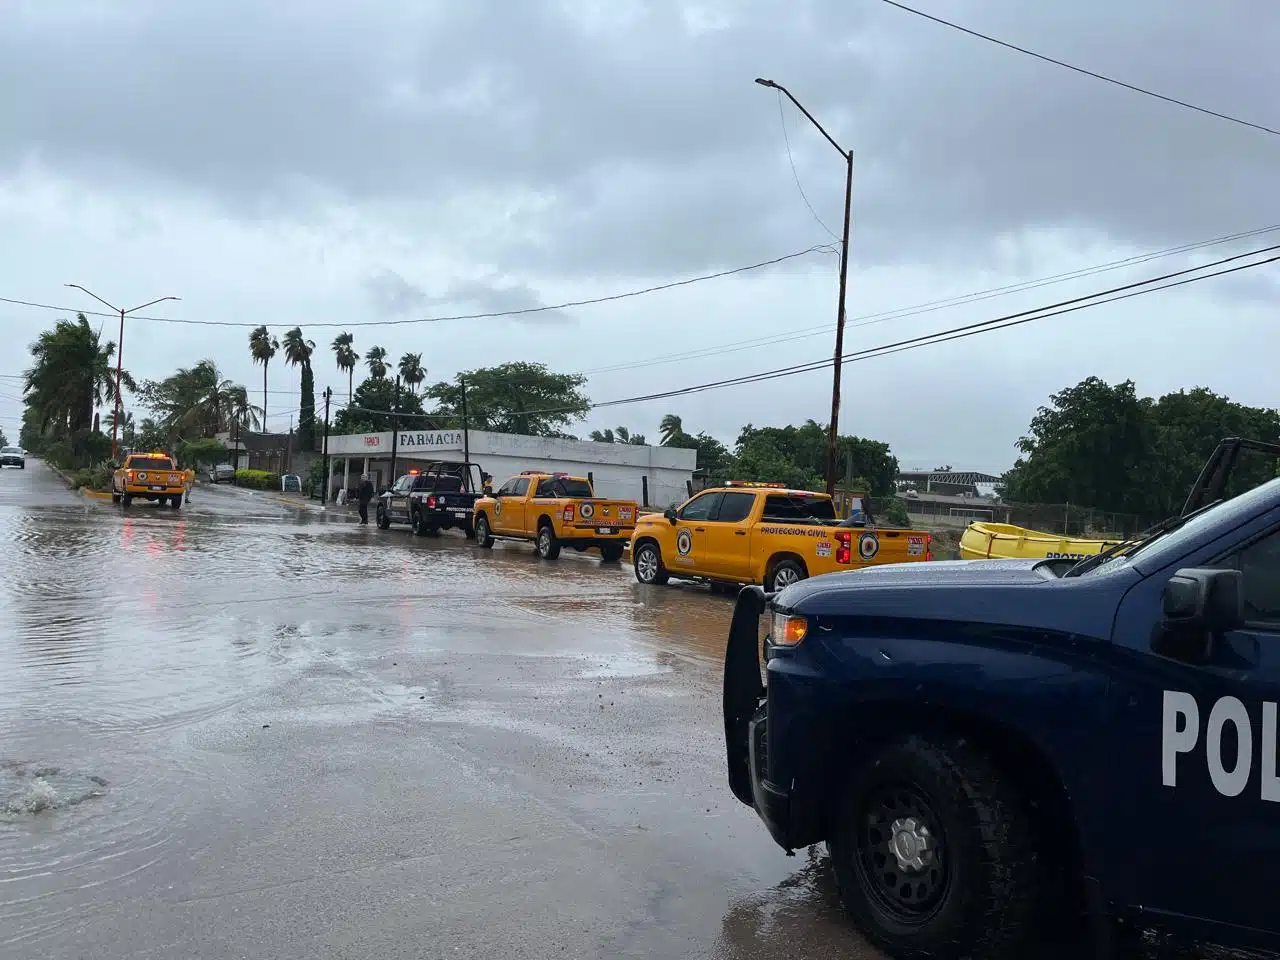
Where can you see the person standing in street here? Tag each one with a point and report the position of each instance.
(364, 495)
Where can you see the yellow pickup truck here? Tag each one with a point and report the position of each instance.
(554, 510)
(763, 533)
(148, 476)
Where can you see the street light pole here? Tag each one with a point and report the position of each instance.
(115, 420)
(847, 155)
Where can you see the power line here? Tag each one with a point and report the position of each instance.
(1088, 73)
(1059, 308)
(934, 305)
(819, 248)
(782, 117)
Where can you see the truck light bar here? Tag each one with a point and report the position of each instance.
(754, 483)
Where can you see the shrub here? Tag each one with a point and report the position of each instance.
(897, 515)
(258, 479)
(95, 478)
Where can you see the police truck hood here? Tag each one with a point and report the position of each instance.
(1023, 593)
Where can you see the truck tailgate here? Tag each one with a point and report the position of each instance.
(614, 516)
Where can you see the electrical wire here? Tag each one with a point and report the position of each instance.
(782, 117)
(818, 248)
(1081, 70)
(935, 305)
(1059, 308)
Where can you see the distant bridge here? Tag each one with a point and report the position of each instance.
(948, 477)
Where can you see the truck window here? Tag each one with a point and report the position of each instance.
(572, 488)
(544, 488)
(150, 463)
(403, 484)
(1259, 565)
(802, 509)
(735, 507)
(446, 483)
(701, 507)
(519, 487)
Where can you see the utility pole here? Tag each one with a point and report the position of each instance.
(324, 489)
(847, 155)
(395, 431)
(466, 440)
(115, 422)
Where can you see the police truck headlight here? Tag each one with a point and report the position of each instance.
(787, 630)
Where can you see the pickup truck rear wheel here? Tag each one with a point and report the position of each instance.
(483, 536)
(548, 542)
(176, 502)
(647, 560)
(611, 552)
(934, 853)
(417, 525)
(784, 574)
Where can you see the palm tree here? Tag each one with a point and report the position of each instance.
(297, 353)
(72, 373)
(376, 358)
(602, 436)
(411, 371)
(670, 428)
(125, 425)
(344, 354)
(196, 402)
(238, 412)
(263, 346)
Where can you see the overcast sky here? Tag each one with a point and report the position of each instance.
(316, 162)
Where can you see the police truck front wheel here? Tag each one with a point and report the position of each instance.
(382, 519)
(647, 560)
(418, 525)
(483, 536)
(548, 543)
(935, 854)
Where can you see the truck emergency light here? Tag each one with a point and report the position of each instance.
(754, 483)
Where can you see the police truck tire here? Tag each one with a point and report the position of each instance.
(611, 552)
(483, 536)
(548, 542)
(783, 574)
(417, 525)
(969, 883)
(647, 561)
(381, 518)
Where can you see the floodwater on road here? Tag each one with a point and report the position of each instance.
(245, 729)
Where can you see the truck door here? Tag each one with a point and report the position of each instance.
(692, 522)
(510, 512)
(1194, 768)
(398, 502)
(728, 538)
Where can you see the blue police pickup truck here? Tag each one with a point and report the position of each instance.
(1003, 752)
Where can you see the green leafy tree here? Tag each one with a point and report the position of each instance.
(72, 373)
(524, 398)
(376, 358)
(198, 401)
(150, 436)
(602, 436)
(371, 408)
(806, 447)
(202, 451)
(1102, 446)
(263, 346)
(297, 353)
(345, 356)
(4, 441)
(669, 429)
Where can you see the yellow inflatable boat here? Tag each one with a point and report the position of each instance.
(1004, 541)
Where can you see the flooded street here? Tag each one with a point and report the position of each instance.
(242, 729)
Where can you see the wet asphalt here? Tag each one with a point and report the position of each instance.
(244, 729)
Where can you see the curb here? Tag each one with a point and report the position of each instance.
(99, 495)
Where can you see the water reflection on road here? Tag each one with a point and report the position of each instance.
(196, 704)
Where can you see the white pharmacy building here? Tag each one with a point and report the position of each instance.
(652, 476)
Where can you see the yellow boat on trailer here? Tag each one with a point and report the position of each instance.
(1004, 541)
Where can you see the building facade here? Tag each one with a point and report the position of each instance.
(652, 476)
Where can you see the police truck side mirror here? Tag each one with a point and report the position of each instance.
(1198, 605)
(670, 514)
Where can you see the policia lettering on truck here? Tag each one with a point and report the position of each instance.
(1228, 758)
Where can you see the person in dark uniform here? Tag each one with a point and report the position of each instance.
(364, 495)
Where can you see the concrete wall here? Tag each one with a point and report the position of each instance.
(616, 468)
